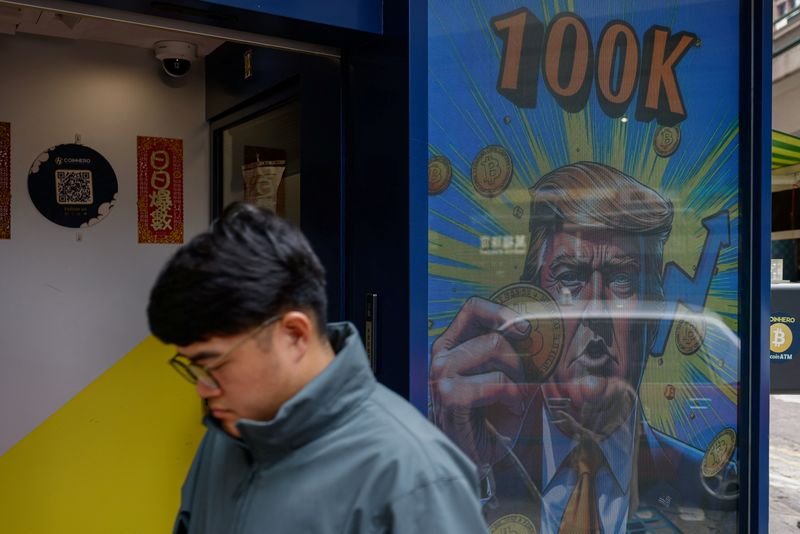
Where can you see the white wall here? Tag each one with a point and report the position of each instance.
(70, 308)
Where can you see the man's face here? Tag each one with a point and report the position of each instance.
(254, 378)
(596, 277)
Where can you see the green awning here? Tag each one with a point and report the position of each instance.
(785, 150)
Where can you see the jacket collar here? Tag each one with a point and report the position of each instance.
(325, 402)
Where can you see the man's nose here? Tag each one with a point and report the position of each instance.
(596, 314)
(205, 391)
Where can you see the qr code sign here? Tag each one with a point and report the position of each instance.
(74, 187)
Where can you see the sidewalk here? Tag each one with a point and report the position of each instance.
(784, 464)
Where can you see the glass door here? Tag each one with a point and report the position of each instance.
(260, 161)
(281, 149)
(589, 262)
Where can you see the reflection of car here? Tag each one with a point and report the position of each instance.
(689, 330)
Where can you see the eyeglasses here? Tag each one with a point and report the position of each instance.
(194, 372)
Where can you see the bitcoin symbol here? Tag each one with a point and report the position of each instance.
(666, 140)
(491, 171)
(689, 334)
(439, 174)
(718, 453)
(780, 337)
(513, 524)
(541, 350)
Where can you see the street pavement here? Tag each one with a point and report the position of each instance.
(784, 464)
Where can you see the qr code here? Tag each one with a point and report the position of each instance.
(74, 187)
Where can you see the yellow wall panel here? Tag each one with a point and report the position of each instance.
(111, 460)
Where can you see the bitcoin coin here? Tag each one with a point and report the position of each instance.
(689, 335)
(666, 140)
(491, 171)
(513, 524)
(718, 453)
(439, 174)
(780, 337)
(541, 350)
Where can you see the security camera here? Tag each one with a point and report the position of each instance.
(176, 57)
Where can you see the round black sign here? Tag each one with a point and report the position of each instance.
(72, 185)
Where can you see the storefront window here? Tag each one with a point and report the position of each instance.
(584, 260)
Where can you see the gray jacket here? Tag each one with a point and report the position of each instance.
(345, 455)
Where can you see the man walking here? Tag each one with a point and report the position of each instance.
(300, 436)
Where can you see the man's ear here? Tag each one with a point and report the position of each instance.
(298, 329)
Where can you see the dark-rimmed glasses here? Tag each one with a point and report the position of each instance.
(194, 372)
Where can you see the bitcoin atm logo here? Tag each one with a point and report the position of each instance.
(780, 337)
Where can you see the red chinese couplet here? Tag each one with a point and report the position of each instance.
(5, 180)
(160, 184)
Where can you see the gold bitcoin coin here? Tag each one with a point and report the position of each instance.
(513, 524)
(491, 171)
(541, 350)
(718, 453)
(780, 337)
(689, 335)
(440, 173)
(666, 140)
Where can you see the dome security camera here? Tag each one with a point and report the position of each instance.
(176, 57)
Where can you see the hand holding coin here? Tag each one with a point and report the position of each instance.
(479, 386)
(541, 349)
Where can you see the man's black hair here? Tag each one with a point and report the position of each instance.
(249, 266)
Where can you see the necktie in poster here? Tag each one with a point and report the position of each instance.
(583, 259)
(160, 189)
